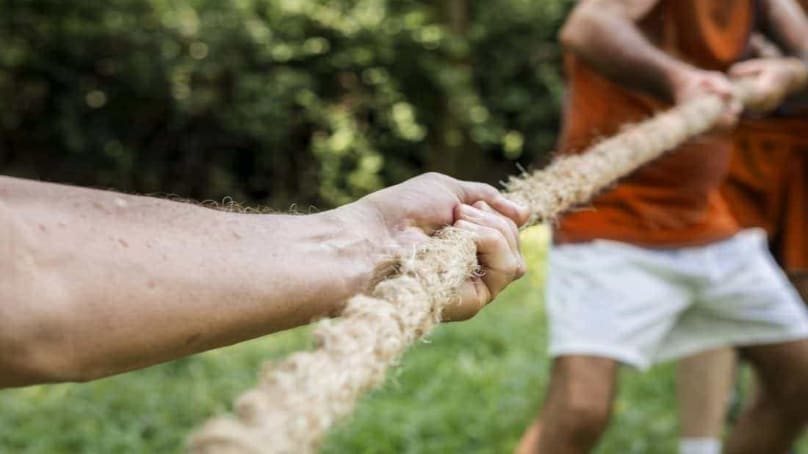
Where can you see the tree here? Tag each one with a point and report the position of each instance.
(274, 102)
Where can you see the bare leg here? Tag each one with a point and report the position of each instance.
(529, 442)
(577, 408)
(800, 281)
(703, 386)
(779, 412)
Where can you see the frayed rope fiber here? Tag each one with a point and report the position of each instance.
(297, 400)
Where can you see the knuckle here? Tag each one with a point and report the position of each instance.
(521, 268)
(512, 226)
(497, 239)
(497, 221)
(481, 205)
(488, 191)
(463, 224)
(513, 266)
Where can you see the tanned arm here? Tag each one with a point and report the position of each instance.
(605, 35)
(775, 77)
(786, 22)
(762, 47)
(94, 283)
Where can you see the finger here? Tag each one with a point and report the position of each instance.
(498, 262)
(513, 229)
(503, 223)
(492, 220)
(472, 297)
(499, 266)
(474, 192)
(719, 86)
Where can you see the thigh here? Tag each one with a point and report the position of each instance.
(611, 300)
(751, 294)
(782, 369)
(800, 281)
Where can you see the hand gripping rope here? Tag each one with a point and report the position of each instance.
(301, 397)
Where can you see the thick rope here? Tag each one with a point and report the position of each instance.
(300, 398)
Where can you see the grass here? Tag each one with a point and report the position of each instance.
(471, 388)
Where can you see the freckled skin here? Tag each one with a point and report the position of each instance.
(128, 281)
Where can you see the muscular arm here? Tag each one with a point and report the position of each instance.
(762, 47)
(777, 75)
(786, 21)
(604, 33)
(94, 283)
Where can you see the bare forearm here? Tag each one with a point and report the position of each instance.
(761, 47)
(97, 283)
(785, 21)
(605, 35)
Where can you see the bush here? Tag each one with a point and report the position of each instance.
(275, 101)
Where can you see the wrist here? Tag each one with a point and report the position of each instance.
(332, 256)
(364, 238)
(680, 77)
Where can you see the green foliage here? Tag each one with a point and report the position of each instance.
(316, 101)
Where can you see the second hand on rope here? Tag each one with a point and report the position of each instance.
(301, 397)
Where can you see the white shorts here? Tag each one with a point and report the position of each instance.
(642, 305)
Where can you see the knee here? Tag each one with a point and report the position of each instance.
(582, 419)
(790, 400)
(579, 401)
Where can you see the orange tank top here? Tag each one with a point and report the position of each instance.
(675, 200)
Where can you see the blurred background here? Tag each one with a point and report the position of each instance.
(274, 102)
(306, 103)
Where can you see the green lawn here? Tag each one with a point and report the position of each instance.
(471, 388)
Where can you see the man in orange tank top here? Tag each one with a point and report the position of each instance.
(659, 269)
(767, 188)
